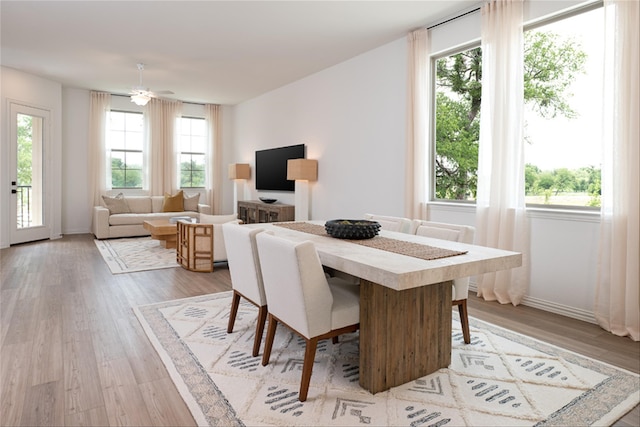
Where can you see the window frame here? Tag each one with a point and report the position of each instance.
(125, 151)
(532, 25)
(180, 153)
(432, 120)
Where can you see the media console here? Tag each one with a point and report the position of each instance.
(253, 211)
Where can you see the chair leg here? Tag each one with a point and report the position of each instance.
(262, 318)
(307, 367)
(464, 321)
(271, 333)
(235, 302)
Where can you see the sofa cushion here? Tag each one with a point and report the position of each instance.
(173, 203)
(138, 219)
(139, 204)
(191, 202)
(217, 219)
(117, 204)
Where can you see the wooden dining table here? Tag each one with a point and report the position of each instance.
(405, 301)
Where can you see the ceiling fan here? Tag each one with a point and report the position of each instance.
(140, 95)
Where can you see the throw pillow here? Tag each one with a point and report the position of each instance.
(117, 204)
(191, 202)
(173, 203)
(217, 219)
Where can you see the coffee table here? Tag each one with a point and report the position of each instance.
(163, 231)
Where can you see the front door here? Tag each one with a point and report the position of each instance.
(30, 141)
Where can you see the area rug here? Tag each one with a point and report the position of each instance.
(500, 379)
(135, 254)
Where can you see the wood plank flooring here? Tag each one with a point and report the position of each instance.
(73, 353)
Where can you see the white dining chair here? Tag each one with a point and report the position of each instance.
(392, 223)
(456, 233)
(246, 277)
(302, 298)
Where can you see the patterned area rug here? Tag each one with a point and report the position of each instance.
(500, 379)
(135, 254)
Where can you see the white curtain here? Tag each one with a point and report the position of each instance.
(416, 171)
(500, 216)
(162, 156)
(214, 157)
(100, 170)
(617, 305)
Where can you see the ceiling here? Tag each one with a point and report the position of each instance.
(222, 52)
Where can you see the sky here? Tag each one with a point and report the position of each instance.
(573, 143)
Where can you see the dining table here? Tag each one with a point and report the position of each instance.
(405, 294)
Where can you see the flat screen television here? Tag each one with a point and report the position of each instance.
(271, 167)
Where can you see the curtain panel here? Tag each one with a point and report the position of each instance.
(617, 304)
(98, 161)
(500, 208)
(162, 151)
(214, 157)
(416, 158)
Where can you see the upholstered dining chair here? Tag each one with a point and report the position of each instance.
(302, 298)
(456, 233)
(392, 223)
(246, 277)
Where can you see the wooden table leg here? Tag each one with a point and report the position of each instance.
(404, 335)
(170, 242)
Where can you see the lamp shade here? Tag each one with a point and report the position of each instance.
(302, 169)
(239, 171)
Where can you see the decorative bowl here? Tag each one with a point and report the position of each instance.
(267, 200)
(354, 229)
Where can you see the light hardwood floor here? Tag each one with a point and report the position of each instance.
(73, 353)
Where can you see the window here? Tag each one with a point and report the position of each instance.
(457, 124)
(125, 141)
(563, 81)
(563, 115)
(192, 144)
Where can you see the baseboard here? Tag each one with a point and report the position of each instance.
(553, 307)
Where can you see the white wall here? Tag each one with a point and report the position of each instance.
(76, 209)
(351, 118)
(37, 92)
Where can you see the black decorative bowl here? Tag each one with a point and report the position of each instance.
(355, 229)
(267, 200)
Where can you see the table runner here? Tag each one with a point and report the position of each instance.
(401, 247)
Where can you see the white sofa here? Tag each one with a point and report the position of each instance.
(107, 225)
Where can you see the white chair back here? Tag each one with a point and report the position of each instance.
(444, 231)
(452, 232)
(392, 223)
(295, 284)
(243, 260)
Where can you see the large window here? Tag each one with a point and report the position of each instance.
(193, 137)
(563, 81)
(563, 115)
(125, 141)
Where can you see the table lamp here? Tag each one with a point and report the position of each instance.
(302, 171)
(239, 173)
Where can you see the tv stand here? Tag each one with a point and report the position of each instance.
(253, 211)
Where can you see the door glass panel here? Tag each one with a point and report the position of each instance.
(30, 161)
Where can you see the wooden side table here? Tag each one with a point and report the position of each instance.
(195, 246)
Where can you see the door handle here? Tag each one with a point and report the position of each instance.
(14, 191)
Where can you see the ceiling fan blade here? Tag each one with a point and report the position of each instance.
(163, 92)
